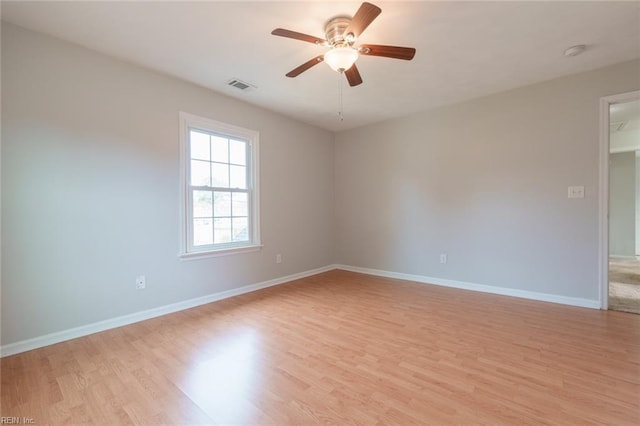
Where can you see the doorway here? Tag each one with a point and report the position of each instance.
(620, 190)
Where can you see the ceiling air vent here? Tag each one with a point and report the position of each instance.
(242, 85)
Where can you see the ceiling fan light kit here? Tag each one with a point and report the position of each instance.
(340, 35)
(341, 59)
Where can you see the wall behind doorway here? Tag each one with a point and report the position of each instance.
(622, 204)
(637, 203)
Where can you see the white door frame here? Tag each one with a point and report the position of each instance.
(603, 231)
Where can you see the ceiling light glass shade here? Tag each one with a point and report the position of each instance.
(341, 58)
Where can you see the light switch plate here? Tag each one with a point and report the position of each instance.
(576, 192)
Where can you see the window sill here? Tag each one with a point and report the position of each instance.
(222, 252)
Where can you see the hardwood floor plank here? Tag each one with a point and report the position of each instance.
(342, 348)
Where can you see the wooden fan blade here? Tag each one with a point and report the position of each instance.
(353, 76)
(298, 36)
(363, 17)
(302, 68)
(396, 52)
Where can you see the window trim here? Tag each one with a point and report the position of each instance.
(186, 250)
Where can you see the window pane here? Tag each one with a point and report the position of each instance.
(220, 148)
(240, 207)
(220, 175)
(222, 231)
(202, 206)
(238, 177)
(199, 145)
(240, 229)
(202, 232)
(221, 204)
(238, 152)
(200, 173)
(218, 181)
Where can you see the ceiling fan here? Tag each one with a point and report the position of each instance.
(341, 33)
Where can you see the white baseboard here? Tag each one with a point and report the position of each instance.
(622, 256)
(84, 330)
(524, 294)
(73, 333)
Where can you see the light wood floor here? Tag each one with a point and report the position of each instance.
(342, 348)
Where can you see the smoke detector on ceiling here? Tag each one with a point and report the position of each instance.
(575, 50)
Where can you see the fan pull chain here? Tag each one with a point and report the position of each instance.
(340, 107)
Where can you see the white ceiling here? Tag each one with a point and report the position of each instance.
(464, 49)
(626, 111)
(624, 127)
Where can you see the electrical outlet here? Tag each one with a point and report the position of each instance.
(443, 258)
(278, 258)
(141, 282)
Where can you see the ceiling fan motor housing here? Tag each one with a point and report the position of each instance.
(335, 31)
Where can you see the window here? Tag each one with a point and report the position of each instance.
(219, 173)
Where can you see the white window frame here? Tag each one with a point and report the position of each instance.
(187, 249)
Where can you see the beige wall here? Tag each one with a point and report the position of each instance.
(90, 189)
(484, 181)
